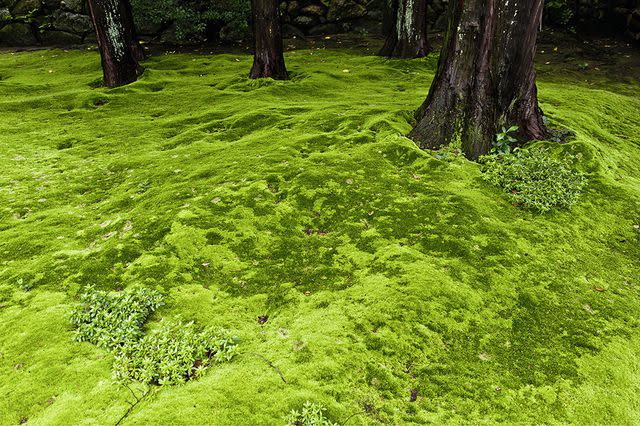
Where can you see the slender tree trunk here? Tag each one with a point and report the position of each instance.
(485, 77)
(119, 48)
(268, 60)
(406, 29)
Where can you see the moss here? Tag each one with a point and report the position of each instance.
(383, 270)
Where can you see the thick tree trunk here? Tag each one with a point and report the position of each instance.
(268, 60)
(485, 77)
(405, 29)
(119, 47)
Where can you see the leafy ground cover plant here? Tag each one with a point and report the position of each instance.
(114, 319)
(534, 179)
(170, 354)
(173, 353)
(311, 414)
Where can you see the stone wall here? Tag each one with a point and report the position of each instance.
(66, 22)
(316, 17)
(56, 22)
(44, 22)
(324, 17)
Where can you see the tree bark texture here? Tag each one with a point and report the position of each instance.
(117, 41)
(268, 59)
(405, 29)
(485, 77)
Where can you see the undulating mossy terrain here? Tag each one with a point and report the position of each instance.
(393, 285)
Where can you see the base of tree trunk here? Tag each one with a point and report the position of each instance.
(268, 67)
(485, 78)
(268, 60)
(118, 45)
(405, 50)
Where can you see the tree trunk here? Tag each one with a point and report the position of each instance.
(119, 47)
(129, 25)
(406, 29)
(485, 77)
(633, 25)
(268, 60)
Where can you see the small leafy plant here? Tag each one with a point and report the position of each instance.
(534, 179)
(312, 414)
(172, 354)
(504, 140)
(112, 320)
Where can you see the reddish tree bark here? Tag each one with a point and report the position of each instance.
(268, 59)
(485, 77)
(406, 29)
(117, 41)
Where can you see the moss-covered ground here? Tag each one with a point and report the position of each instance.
(385, 271)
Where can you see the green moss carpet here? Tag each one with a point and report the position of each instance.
(387, 273)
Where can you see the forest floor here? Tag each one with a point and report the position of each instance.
(394, 285)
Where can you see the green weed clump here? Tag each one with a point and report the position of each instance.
(311, 414)
(534, 179)
(504, 140)
(112, 320)
(173, 354)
